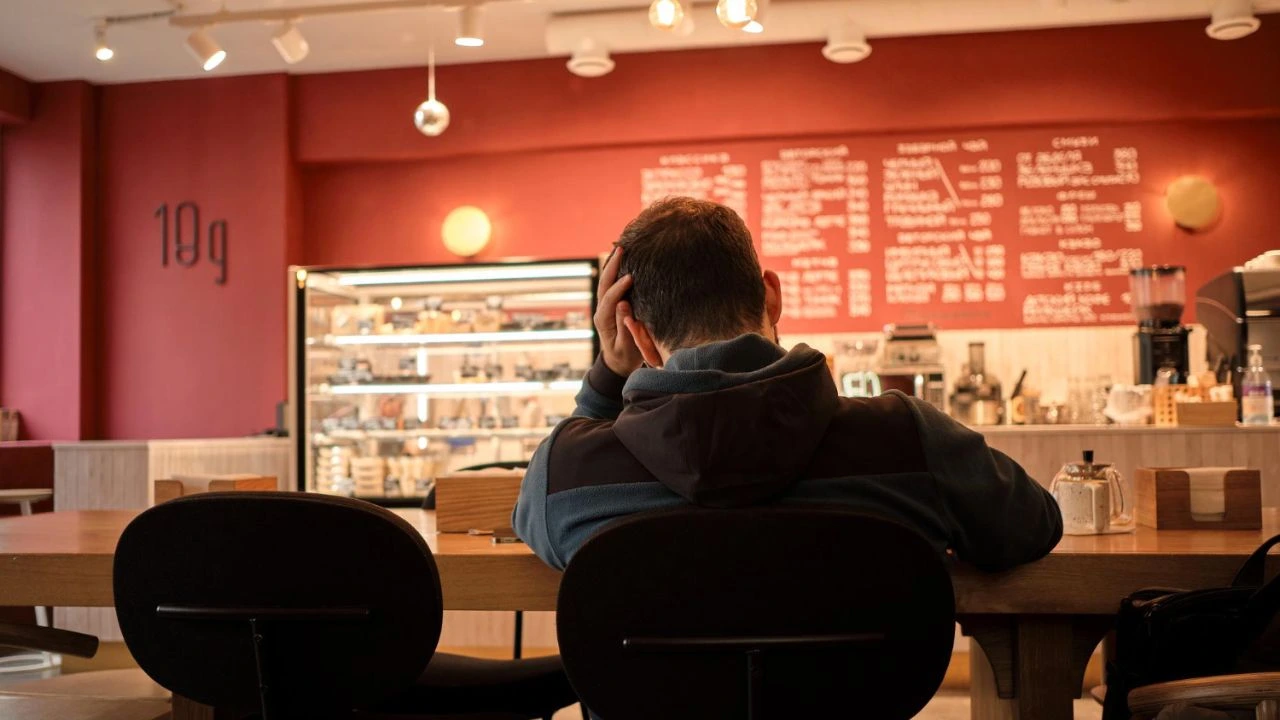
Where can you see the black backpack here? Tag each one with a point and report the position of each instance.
(1164, 634)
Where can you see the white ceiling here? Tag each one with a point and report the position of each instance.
(52, 39)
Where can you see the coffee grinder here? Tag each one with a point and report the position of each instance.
(1158, 295)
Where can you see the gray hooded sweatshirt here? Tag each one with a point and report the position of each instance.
(743, 422)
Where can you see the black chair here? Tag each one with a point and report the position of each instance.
(293, 605)
(779, 612)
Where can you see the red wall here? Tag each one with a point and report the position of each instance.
(183, 356)
(328, 169)
(47, 265)
(1062, 77)
(15, 99)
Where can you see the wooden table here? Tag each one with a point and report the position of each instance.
(1036, 625)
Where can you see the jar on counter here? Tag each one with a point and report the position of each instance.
(1092, 499)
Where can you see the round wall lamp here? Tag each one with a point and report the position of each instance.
(466, 230)
(1193, 201)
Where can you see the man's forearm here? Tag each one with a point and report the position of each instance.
(601, 394)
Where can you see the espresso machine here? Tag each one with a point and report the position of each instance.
(1239, 308)
(1158, 295)
(912, 363)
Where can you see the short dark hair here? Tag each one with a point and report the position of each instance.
(696, 275)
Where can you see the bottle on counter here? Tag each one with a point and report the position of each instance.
(1257, 405)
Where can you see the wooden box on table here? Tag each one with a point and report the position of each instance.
(180, 485)
(476, 499)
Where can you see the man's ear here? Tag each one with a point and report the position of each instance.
(644, 340)
(772, 298)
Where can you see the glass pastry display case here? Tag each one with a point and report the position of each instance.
(397, 375)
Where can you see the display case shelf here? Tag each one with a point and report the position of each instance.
(368, 325)
(456, 390)
(460, 339)
(437, 434)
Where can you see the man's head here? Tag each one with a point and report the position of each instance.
(695, 278)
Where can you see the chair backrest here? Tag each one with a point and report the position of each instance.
(329, 603)
(775, 612)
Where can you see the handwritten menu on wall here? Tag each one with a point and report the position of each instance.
(1010, 228)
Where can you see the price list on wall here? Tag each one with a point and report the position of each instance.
(814, 231)
(939, 246)
(1080, 230)
(705, 176)
(1004, 228)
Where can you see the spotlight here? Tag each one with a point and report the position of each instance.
(101, 49)
(666, 14)
(846, 43)
(469, 32)
(205, 49)
(736, 14)
(590, 60)
(290, 43)
(1232, 20)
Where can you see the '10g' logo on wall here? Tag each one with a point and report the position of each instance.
(187, 254)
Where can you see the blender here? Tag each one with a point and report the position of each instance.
(1158, 294)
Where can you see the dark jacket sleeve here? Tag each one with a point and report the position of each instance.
(601, 394)
(999, 516)
(599, 399)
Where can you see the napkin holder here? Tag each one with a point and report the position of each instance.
(476, 499)
(1199, 498)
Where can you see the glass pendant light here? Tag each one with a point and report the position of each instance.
(432, 117)
(666, 14)
(736, 14)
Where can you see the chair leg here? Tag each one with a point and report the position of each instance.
(517, 646)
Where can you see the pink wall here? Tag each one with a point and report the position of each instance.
(183, 356)
(47, 262)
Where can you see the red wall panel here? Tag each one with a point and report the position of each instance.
(184, 356)
(46, 256)
(15, 98)
(1064, 76)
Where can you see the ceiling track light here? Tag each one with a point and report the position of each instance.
(205, 49)
(846, 43)
(290, 43)
(101, 50)
(470, 33)
(1232, 20)
(736, 14)
(590, 60)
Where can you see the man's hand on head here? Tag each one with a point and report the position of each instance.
(612, 311)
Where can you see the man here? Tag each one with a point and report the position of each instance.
(725, 417)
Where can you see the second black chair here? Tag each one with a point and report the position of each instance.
(779, 612)
(291, 605)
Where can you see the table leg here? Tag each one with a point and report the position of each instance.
(1034, 664)
(985, 702)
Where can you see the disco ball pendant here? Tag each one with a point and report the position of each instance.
(431, 118)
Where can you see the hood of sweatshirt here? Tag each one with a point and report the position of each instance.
(730, 423)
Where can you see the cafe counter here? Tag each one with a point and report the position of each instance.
(1043, 449)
